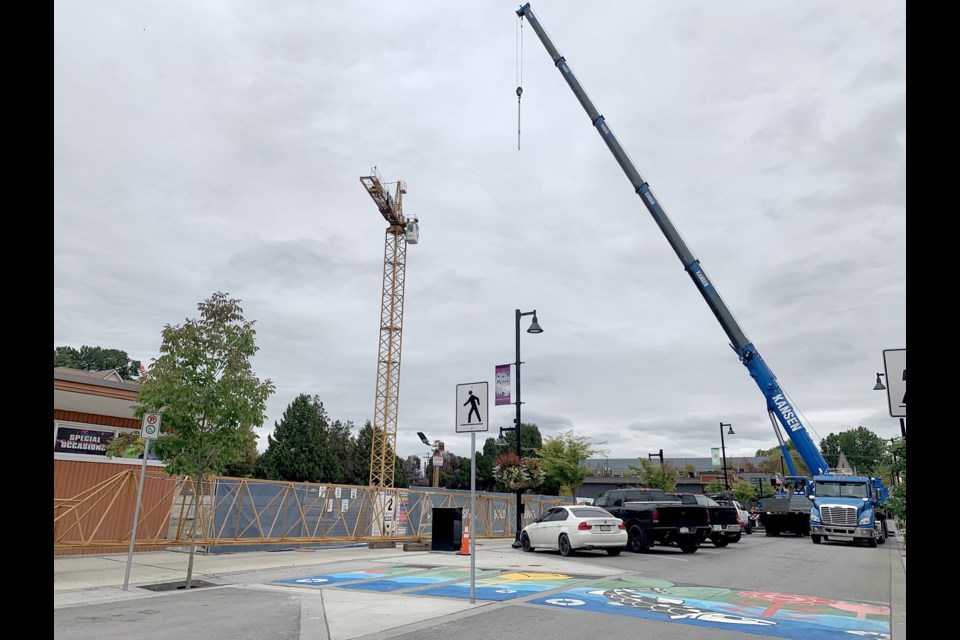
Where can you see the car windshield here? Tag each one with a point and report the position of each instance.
(841, 490)
(591, 512)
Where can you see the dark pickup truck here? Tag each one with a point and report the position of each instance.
(651, 516)
(724, 520)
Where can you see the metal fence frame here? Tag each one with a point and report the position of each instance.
(244, 511)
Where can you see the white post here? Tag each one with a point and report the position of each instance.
(473, 512)
(136, 516)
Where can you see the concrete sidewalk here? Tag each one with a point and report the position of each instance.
(334, 614)
(341, 613)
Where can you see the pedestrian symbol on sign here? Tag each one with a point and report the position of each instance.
(472, 407)
(473, 401)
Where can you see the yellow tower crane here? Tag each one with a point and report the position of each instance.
(400, 232)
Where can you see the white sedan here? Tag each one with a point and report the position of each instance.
(574, 527)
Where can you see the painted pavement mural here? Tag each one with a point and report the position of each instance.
(763, 613)
(350, 576)
(766, 613)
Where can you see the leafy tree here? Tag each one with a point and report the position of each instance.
(399, 476)
(205, 387)
(530, 441)
(463, 467)
(485, 462)
(561, 457)
(864, 450)
(127, 444)
(714, 486)
(340, 444)
(656, 476)
(412, 468)
(297, 449)
(897, 504)
(244, 467)
(360, 465)
(97, 359)
(450, 475)
(773, 465)
(744, 492)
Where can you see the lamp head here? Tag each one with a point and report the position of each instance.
(535, 326)
(879, 386)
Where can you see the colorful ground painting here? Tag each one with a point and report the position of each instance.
(422, 579)
(505, 586)
(784, 615)
(350, 576)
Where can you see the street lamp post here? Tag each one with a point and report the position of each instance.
(723, 452)
(534, 328)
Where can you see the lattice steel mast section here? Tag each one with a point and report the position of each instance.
(400, 231)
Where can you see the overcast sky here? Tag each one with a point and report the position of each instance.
(218, 145)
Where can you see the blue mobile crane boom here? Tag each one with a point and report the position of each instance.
(779, 406)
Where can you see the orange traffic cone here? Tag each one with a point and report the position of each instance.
(465, 541)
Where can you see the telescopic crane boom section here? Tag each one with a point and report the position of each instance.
(778, 405)
(399, 233)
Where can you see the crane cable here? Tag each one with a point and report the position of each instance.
(519, 73)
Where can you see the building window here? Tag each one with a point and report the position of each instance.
(84, 439)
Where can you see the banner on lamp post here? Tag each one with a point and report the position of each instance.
(502, 384)
(715, 454)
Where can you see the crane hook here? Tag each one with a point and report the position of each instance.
(519, 93)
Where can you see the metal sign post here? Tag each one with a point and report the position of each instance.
(473, 512)
(149, 430)
(472, 408)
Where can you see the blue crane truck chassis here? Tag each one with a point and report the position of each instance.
(848, 508)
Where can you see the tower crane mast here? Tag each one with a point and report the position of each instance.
(400, 232)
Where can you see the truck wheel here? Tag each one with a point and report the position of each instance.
(719, 541)
(564, 545)
(525, 542)
(637, 541)
(872, 542)
(688, 545)
(735, 537)
(883, 531)
(815, 538)
(773, 532)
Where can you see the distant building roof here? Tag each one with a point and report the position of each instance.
(616, 466)
(107, 378)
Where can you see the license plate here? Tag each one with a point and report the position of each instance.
(718, 527)
(684, 530)
(604, 527)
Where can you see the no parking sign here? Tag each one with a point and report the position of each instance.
(150, 428)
